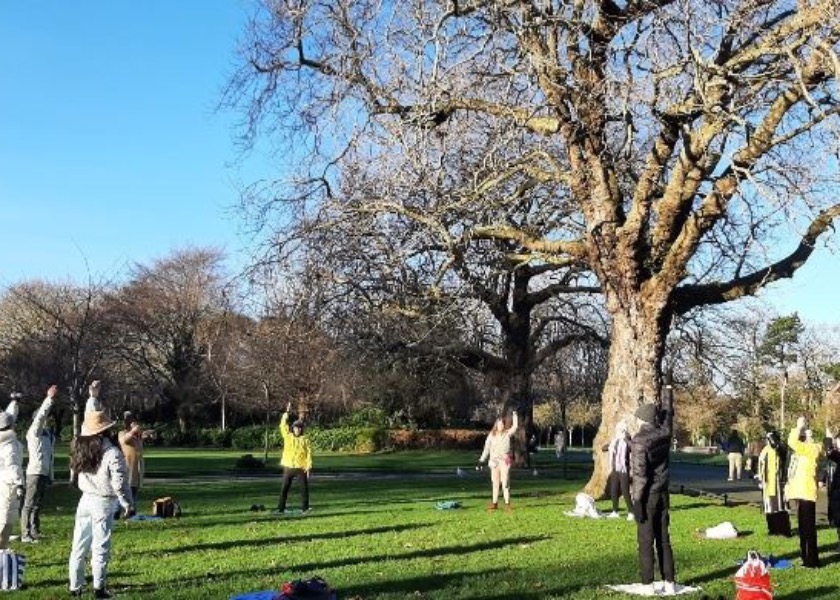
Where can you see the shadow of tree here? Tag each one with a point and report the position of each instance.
(432, 581)
(293, 539)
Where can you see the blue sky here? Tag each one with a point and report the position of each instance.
(111, 150)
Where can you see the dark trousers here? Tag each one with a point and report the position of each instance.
(655, 531)
(806, 513)
(620, 485)
(288, 477)
(30, 515)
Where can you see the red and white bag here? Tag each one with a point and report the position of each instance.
(752, 581)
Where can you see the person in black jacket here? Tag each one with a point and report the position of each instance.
(832, 482)
(650, 474)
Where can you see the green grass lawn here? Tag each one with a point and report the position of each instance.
(383, 539)
(180, 462)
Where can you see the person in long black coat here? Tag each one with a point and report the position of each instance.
(832, 483)
(650, 474)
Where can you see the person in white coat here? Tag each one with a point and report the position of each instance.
(103, 480)
(497, 453)
(40, 444)
(11, 473)
(619, 480)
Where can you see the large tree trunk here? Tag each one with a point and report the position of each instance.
(519, 354)
(520, 399)
(633, 378)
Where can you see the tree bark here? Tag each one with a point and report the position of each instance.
(519, 354)
(633, 378)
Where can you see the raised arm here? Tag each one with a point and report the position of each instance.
(41, 416)
(793, 437)
(514, 424)
(668, 406)
(284, 422)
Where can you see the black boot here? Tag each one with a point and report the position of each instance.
(102, 593)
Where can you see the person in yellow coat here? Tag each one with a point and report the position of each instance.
(772, 476)
(802, 487)
(296, 460)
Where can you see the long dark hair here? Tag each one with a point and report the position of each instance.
(86, 453)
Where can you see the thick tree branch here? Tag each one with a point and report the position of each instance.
(573, 248)
(691, 296)
(555, 346)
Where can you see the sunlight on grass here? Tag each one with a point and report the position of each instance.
(383, 539)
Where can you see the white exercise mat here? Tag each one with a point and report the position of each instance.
(639, 589)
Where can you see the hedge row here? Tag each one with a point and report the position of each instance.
(338, 439)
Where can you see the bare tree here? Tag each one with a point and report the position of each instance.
(59, 333)
(160, 318)
(653, 150)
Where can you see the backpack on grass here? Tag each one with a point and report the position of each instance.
(306, 589)
(166, 508)
(12, 566)
(752, 581)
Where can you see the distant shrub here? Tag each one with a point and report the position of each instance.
(247, 462)
(348, 439)
(248, 438)
(214, 438)
(366, 417)
(436, 439)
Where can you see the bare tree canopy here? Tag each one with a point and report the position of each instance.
(661, 152)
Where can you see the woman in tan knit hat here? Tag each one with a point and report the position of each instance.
(103, 481)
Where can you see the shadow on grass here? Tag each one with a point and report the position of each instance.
(693, 505)
(327, 511)
(435, 580)
(435, 586)
(289, 539)
(820, 592)
(729, 571)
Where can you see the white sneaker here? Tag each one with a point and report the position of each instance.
(648, 590)
(669, 589)
(612, 515)
(630, 517)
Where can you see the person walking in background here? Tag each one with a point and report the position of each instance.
(40, 443)
(735, 454)
(832, 482)
(753, 451)
(103, 482)
(559, 443)
(296, 460)
(619, 479)
(772, 477)
(131, 440)
(94, 403)
(650, 473)
(497, 453)
(11, 472)
(802, 487)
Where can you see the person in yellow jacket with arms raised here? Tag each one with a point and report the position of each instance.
(802, 487)
(296, 460)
